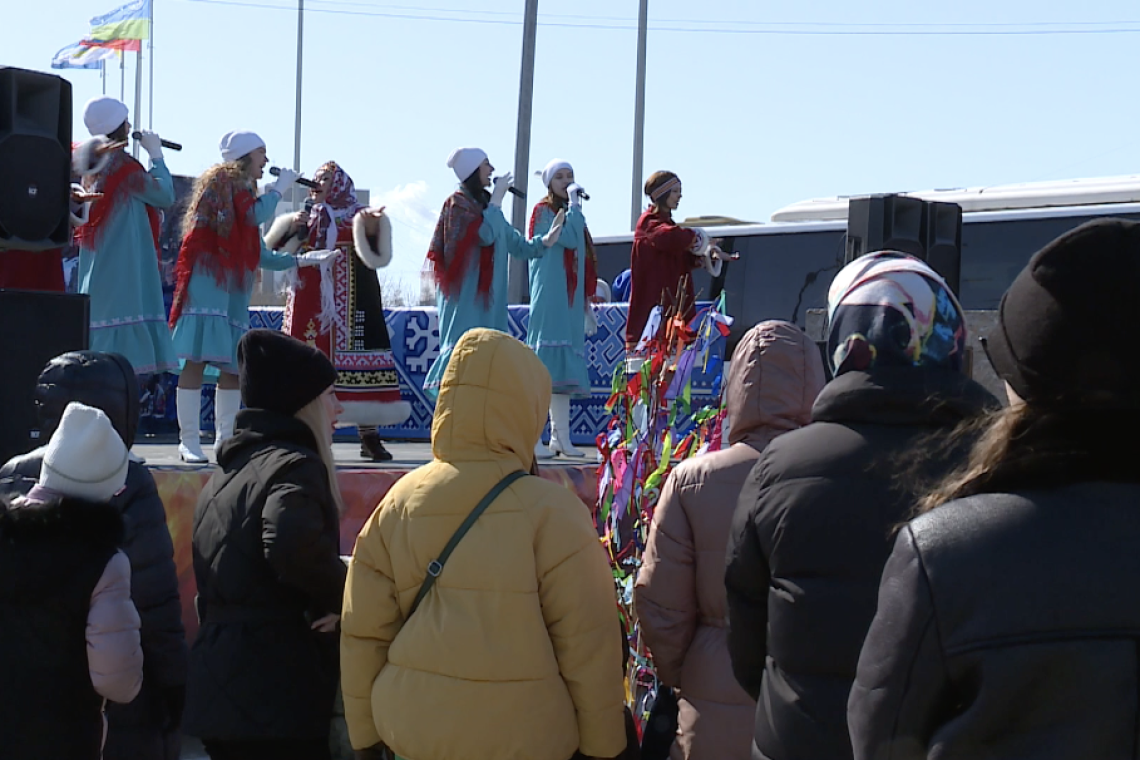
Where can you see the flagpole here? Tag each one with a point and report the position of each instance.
(297, 123)
(103, 74)
(150, 76)
(138, 96)
(122, 75)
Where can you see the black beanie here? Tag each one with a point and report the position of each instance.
(1064, 328)
(280, 373)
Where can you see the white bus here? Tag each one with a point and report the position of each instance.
(786, 266)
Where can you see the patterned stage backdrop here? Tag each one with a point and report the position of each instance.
(415, 343)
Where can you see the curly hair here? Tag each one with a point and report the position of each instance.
(239, 172)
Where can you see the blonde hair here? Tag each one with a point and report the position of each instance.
(314, 416)
(239, 175)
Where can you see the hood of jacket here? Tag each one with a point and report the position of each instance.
(775, 376)
(100, 379)
(492, 402)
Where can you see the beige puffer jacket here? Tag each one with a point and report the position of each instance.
(775, 376)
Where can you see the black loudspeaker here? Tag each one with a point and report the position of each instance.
(34, 327)
(35, 159)
(929, 230)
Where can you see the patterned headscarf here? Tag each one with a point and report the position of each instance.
(339, 206)
(890, 309)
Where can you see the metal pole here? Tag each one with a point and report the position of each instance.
(122, 76)
(639, 115)
(103, 74)
(138, 96)
(297, 123)
(150, 75)
(518, 290)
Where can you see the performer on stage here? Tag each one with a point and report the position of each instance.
(337, 307)
(221, 249)
(663, 255)
(562, 288)
(118, 245)
(468, 255)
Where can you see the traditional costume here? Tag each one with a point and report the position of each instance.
(221, 250)
(118, 245)
(562, 285)
(664, 255)
(468, 262)
(337, 307)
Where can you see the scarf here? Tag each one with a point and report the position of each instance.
(223, 238)
(890, 309)
(122, 177)
(454, 242)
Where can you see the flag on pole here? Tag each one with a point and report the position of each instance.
(82, 55)
(123, 46)
(127, 22)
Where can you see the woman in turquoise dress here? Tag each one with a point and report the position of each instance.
(221, 250)
(118, 245)
(561, 290)
(468, 256)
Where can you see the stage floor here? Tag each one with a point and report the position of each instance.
(163, 452)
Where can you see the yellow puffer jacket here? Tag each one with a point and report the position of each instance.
(515, 652)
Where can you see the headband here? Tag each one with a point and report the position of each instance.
(664, 189)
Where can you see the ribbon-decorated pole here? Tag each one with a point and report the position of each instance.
(653, 428)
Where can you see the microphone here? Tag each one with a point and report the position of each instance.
(300, 180)
(583, 194)
(165, 143)
(513, 190)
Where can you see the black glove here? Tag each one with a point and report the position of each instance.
(175, 699)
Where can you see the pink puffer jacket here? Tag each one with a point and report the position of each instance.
(680, 600)
(114, 656)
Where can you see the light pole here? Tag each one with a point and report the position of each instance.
(639, 115)
(517, 280)
(297, 122)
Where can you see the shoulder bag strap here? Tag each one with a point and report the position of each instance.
(435, 567)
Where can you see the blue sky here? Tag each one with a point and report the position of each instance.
(751, 121)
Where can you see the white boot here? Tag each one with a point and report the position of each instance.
(542, 452)
(189, 404)
(226, 406)
(560, 426)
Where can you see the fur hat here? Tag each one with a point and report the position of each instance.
(85, 458)
(1065, 324)
(464, 161)
(103, 115)
(552, 168)
(238, 143)
(280, 373)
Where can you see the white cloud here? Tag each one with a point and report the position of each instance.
(413, 222)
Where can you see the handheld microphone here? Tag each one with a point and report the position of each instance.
(165, 143)
(583, 194)
(513, 190)
(300, 180)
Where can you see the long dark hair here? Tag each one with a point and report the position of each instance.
(478, 192)
(1039, 446)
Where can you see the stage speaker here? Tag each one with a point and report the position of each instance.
(881, 222)
(942, 236)
(34, 327)
(35, 159)
(929, 230)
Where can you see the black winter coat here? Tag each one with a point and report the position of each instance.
(267, 562)
(51, 558)
(1008, 626)
(148, 727)
(810, 536)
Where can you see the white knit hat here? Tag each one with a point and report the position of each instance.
(238, 143)
(464, 161)
(103, 115)
(85, 458)
(552, 169)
